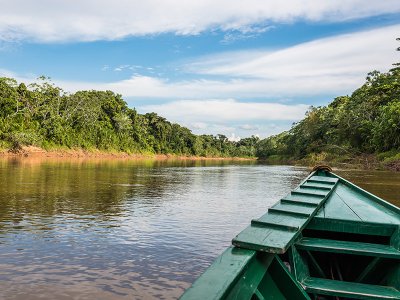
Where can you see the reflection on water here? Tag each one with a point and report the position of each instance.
(125, 229)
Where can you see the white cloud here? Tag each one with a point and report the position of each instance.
(330, 66)
(345, 55)
(198, 125)
(335, 66)
(233, 138)
(249, 127)
(73, 20)
(7, 73)
(245, 33)
(226, 110)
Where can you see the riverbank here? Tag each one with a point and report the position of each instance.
(37, 152)
(382, 161)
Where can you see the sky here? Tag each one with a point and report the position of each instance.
(238, 68)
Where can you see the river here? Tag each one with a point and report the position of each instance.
(126, 229)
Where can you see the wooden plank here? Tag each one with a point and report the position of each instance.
(357, 248)
(316, 187)
(264, 239)
(319, 183)
(288, 212)
(348, 202)
(250, 279)
(307, 193)
(299, 264)
(281, 226)
(336, 208)
(327, 224)
(312, 191)
(304, 198)
(259, 295)
(221, 276)
(284, 280)
(366, 209)
(299, 202)
(317, 178)
(372, 197)
(278, 239)
(283, 220)
(293, 207)
(349, 289)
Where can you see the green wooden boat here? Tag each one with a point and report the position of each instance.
(327, 239)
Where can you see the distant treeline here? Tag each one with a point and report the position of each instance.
(366, 122)
(43, 115)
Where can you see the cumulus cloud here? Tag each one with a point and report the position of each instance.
(226, 110)
(219, 116)
(343, 55)
(73, 20)
(249, 127)
(330, 66)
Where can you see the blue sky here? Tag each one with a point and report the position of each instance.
(232, 67)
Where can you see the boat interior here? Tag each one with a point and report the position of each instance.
(327, 239)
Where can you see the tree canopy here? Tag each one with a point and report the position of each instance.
(367, 121)
(43, 115)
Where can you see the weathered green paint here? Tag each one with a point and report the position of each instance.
(299, 264)
(276, 225)
(349, 289)
(221, 276)
(295, 221)
(237, 275)
(324, 178)
(346, 227)
(368, 249)
(285, 282)
(249, 281)
(336, 225)
(278, 238)
(323, 185)
(312, 200)
(293, 208)
(299, 202)
(352, 204)
(395, 239)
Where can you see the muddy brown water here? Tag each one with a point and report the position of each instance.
(104, 229)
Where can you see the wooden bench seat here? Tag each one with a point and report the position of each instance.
(349, 289)
(357, 248)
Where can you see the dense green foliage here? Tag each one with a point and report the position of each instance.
(41, 114)
(368, 121)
